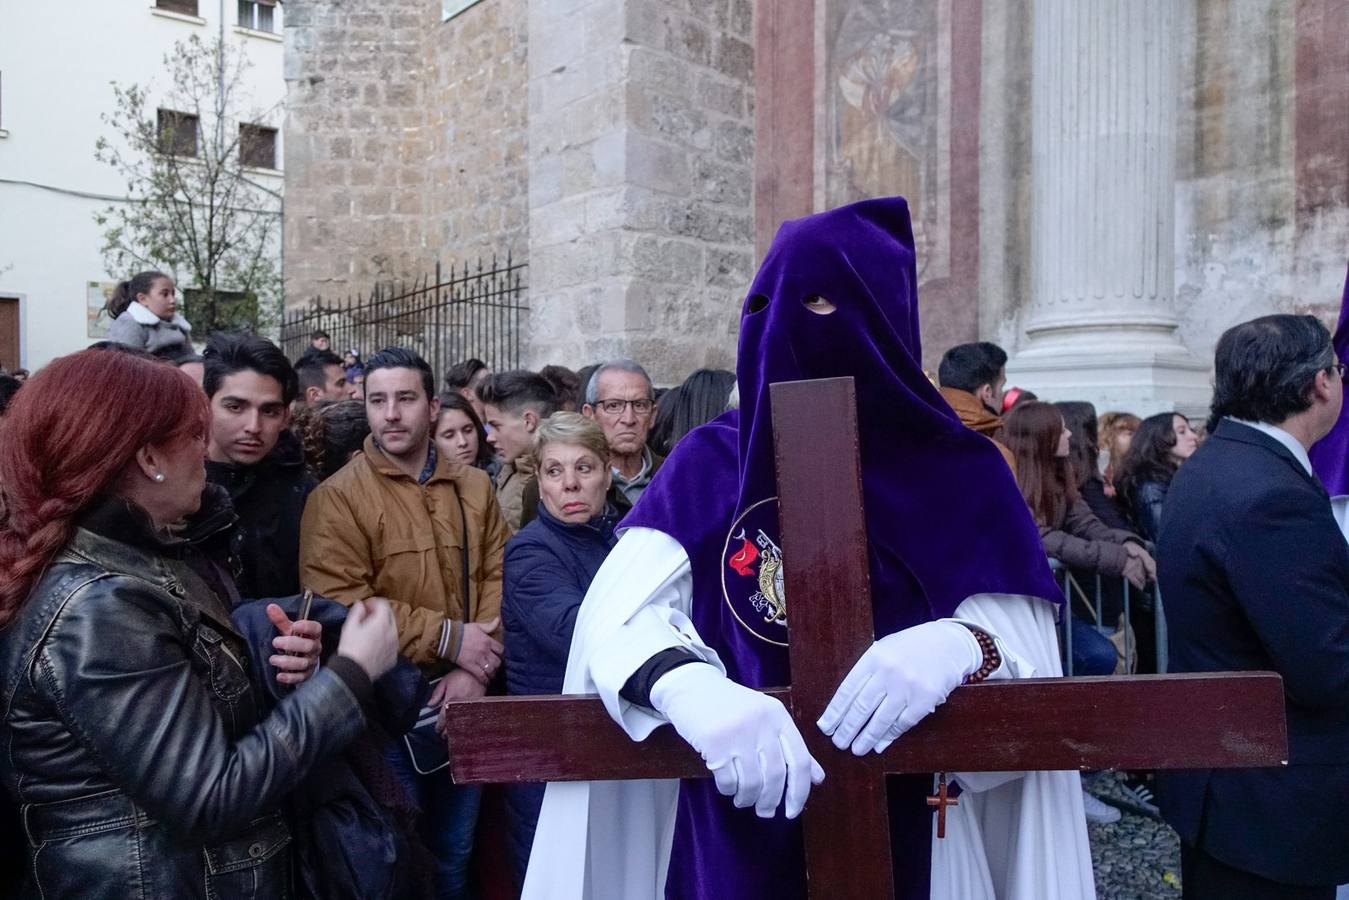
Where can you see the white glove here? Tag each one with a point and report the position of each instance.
(899, 680)
(747, 739)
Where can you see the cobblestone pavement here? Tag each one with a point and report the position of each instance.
(1136, 858)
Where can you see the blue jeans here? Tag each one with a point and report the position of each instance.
(449, 816)
(1093, 654)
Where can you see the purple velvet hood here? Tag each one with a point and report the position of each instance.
(944, 516)
(1330, 455)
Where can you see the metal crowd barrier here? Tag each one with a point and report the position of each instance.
(1077, 598)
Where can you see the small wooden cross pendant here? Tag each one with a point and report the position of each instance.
(940, 800)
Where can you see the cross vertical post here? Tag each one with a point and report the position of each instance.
(824, 548)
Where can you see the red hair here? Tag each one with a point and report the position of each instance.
(65, 441)
(1032, 431)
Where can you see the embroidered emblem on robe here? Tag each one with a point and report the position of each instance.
(752, 577)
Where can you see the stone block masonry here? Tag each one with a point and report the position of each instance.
(405, 140)
(478, 175)
(355, 149)
(608, 142)
(640, 159)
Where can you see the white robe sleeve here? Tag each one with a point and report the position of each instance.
(610, 840)
(638, 605)
(1018, 835)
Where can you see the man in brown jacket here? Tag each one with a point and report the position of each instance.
(972, 377)
(426, 533)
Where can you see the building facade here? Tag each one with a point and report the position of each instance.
(1101, 186)
(57, 64)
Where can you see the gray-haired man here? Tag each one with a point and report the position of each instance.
(620, 398)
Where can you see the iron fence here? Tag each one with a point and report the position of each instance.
(1093, 605)
(470, 311)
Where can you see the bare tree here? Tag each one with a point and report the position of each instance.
(192, 209)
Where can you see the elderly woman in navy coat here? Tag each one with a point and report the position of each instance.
(548, 568)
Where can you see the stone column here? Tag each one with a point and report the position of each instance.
(1102, 323)
(640, 209)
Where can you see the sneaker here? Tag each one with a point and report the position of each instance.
(1099, 813)
(1135, 794)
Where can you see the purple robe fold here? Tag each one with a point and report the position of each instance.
(1330, 455)
(945, 519)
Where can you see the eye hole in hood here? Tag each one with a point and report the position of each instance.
(818, 304)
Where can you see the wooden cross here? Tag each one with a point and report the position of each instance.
(941, 800)
(1139, 722)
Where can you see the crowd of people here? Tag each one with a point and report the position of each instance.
(238, 591)
(366, 483)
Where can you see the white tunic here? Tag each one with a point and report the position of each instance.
(1014, 836)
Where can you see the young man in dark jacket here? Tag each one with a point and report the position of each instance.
(252, 455)
(321, 376)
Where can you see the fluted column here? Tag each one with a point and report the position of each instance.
(1102, 323)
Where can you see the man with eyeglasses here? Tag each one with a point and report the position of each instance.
(620, 398)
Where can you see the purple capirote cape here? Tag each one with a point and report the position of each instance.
(1330, 455)
(944, 517)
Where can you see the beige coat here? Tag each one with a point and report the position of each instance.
(370, 530)
(511, 484)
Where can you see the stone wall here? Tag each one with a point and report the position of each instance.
(355, 146)
(1005, 171)
(1251, 238)
(476, 133)
(611, 143)
(640, 158)
(405, 140)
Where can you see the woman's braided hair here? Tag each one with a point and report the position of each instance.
(66, 441)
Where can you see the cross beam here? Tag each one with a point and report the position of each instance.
(1140, 722)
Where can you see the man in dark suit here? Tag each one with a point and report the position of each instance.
(1255, 573)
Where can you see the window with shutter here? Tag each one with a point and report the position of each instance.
(257, 146)
(177, 133)
(187, 7)
(259, 15)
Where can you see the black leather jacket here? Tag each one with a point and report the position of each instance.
(133, 742)
(1149, 498)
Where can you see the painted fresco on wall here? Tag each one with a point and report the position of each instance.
(887, 89)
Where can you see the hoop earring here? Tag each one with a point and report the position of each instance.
(159, 478)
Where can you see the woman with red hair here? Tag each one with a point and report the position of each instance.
(136, 744)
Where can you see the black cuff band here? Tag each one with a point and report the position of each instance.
(637, 690)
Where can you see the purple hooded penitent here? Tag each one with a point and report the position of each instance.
(944, 517)
(1330, 455)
